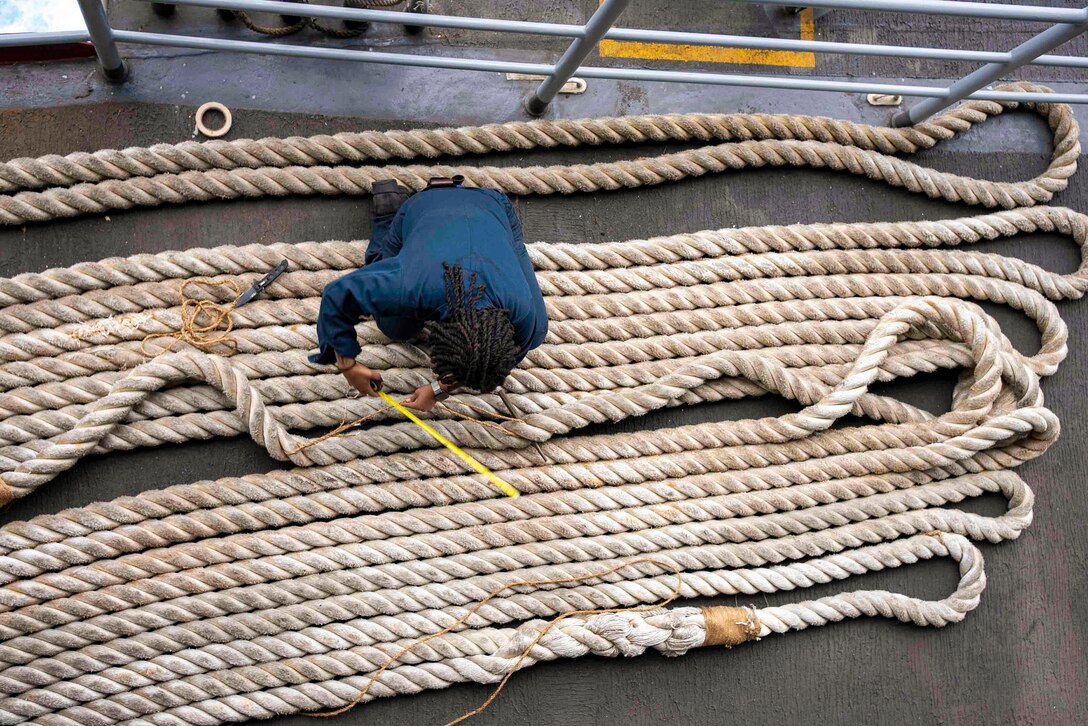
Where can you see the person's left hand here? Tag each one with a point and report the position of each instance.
(422, 399)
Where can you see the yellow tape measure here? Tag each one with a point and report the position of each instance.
(502, 486)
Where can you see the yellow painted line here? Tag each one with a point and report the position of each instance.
(492, 477)
(709, 54)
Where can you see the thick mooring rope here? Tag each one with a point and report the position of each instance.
(288, 592)
(635, 326)
(85, 183)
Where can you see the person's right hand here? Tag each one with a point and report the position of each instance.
(359, 376)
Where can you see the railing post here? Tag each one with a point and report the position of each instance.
(105, 47)
(1022, 54)
(598, 24)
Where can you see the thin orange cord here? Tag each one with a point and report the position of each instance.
(478, 410)
(201, 335)
(524, 583)
(344, 428)
(339, 430)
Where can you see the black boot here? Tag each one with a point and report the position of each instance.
(357, 26)
(388, 196)
(415, 6)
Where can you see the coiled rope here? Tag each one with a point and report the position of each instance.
(277, 593)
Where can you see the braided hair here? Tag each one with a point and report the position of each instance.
(471, 347)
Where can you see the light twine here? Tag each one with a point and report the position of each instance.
(528, 649)
(201, 320)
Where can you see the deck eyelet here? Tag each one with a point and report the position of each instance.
(213, 133)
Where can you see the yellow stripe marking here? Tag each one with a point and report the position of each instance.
(709, 54)
(492, 477)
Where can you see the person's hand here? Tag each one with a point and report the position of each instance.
(422, 399)
(359, 376)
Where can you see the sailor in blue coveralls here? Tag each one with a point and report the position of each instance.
(449, 263)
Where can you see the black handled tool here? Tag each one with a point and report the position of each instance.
(261, 285)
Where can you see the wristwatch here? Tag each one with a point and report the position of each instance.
(440, 393)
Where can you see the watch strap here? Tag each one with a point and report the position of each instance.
(440, 394)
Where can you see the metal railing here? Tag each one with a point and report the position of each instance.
(1064, 25)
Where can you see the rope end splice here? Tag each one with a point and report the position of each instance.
(730, 626)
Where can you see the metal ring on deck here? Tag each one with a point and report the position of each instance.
(213, 133)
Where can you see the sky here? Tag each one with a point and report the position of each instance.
(24, 16)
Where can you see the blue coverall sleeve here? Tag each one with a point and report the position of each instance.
(539, 330)
(371, 291)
